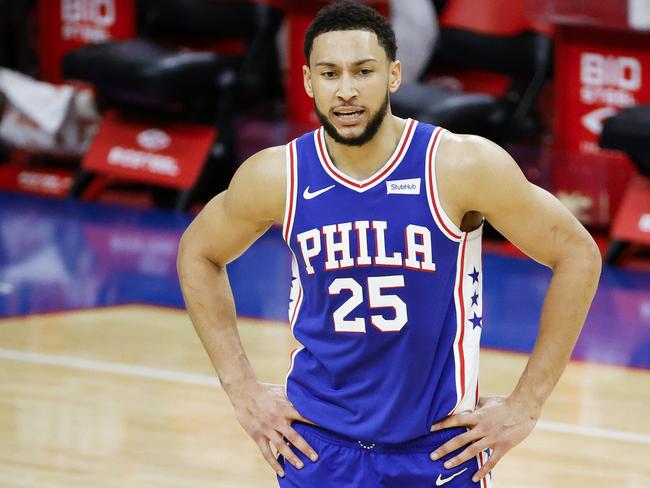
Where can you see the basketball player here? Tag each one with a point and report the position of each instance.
(384, 219)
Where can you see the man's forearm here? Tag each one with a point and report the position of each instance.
(211, 306)
(574, 283)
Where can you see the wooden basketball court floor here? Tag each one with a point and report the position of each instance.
(122, 395)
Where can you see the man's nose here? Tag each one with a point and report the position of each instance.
(347, 88)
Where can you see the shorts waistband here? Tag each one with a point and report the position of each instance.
(425, 443)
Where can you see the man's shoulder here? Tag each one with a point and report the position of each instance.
(467, 157)
(473, 168)
(461, 149)
(273, 158)
(259, 185)
(265, 167)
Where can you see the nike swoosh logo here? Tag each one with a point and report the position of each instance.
(307, 195)
(441, 481)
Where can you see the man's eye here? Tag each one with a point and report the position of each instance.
(365, 71)
(328, 74)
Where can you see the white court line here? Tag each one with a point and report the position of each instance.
(197, 379)
(114, 368)
(587, 431)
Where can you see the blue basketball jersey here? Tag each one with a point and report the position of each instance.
(386, 295)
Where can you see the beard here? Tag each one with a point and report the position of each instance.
(369, 132)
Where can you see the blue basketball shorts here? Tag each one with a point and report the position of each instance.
(347, 463)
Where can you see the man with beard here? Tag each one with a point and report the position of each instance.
(384, 219)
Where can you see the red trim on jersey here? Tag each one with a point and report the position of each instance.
(432, 186)
(461, 354)
(484, 483)
(291, 358)
(387, 168)
(287, 231)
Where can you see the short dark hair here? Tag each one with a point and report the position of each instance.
(348, 15)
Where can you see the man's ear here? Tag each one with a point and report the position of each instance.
(306, 78)
(394, 76)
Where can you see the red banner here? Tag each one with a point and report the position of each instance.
(598, 72)
(65, 25)
(153, 152)
(597, 75)
(38, 181)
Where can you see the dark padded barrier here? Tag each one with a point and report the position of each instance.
(629, 131)
(141, 70)
(432, 104)
(518, 55)
(144, 71)
(201, 19)
(527, 58)
(206, 20)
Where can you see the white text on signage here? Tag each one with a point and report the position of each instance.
(609, 80)
(87, 20)
(143, 161)
(42, 182)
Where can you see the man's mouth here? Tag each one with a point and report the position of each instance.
(348, 115)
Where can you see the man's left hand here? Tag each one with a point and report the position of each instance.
(499, 424)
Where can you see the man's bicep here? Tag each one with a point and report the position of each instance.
(527, 215)
(235, 218)
(541, 227)
(220, 234)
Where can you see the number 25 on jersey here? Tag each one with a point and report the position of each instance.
(376, 299)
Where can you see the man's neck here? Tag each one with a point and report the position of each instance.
(361, 162)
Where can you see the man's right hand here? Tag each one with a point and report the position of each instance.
(221, 232)
(266, 414)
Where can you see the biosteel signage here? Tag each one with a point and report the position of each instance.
(65, 25)
(154, 152)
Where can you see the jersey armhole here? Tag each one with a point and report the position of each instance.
(442, 220)
(292, 189)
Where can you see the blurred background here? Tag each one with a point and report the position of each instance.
(120, 119)
(155, 103)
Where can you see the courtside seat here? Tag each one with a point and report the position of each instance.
(629, 131)
(155, 69)
(142, 72)
(444, 107)
(526, 58)
(193, 61)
